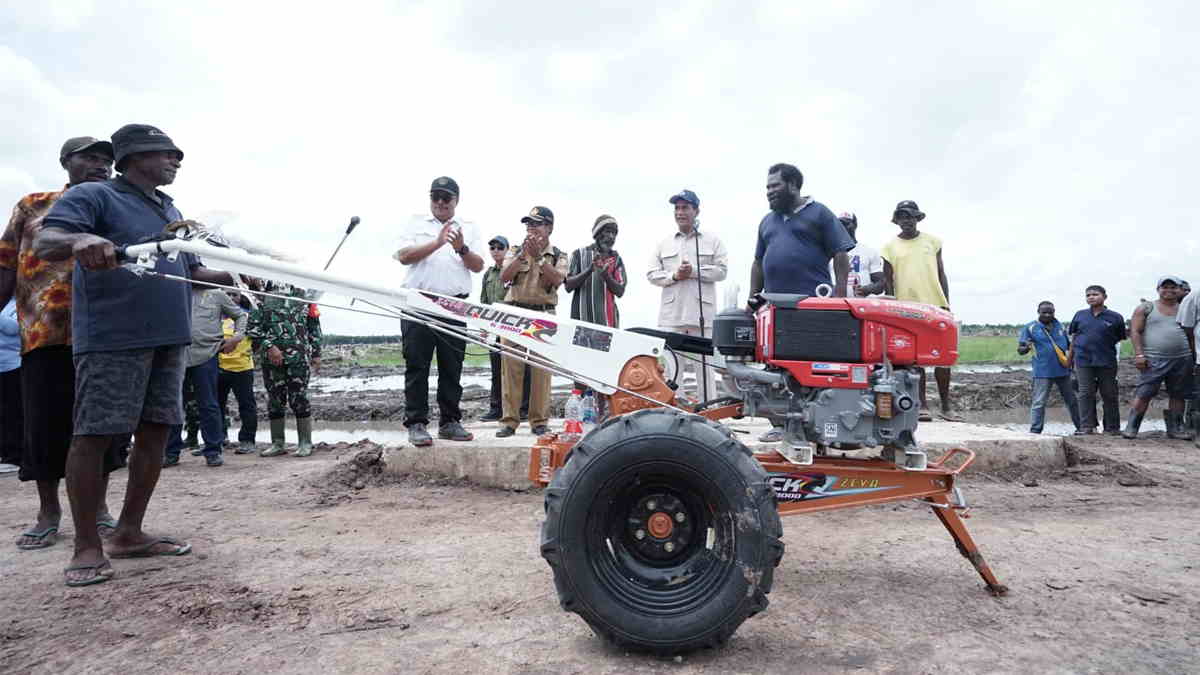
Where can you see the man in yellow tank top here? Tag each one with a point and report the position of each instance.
(913, 270)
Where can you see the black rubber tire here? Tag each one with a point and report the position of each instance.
(724, 532)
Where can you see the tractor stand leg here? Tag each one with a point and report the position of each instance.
(962, 539)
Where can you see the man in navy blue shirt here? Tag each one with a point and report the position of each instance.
(797, 239)
(1050, 346)
(1095, 332)
(130, 335)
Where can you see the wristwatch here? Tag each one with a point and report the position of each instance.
(464, 250)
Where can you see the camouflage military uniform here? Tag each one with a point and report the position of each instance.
(290, 326)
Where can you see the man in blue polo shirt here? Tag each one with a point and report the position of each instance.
(1094, 333)
(130, 336)
(1050, 347)
(797, 239)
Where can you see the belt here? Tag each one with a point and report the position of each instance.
(536, 308)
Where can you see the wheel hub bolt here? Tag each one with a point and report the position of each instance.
(679, 517)
(651, 505)
(640, 534)
(669, 546)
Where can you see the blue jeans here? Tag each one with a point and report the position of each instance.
(201, 382)
(1041, 392)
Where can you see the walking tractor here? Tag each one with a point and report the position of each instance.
(662, 529)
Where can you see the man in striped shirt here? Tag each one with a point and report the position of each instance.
(596, 277)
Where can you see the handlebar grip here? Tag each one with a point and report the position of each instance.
(121, 255)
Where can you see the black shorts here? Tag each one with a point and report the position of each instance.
(1176, 373)
(48, 392)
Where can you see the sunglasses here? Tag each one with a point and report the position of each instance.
(444, 197)
(498, 248)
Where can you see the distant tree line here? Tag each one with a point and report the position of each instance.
(360, 339)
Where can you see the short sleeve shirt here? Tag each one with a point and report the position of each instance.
(527, 287)
(864, 261)
(795, 249)
(443, 270)
(114, 310)
(1096, 337)
(915, 269)
(1044, 338)
(43, 290)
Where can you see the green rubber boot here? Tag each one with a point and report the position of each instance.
(304, 430)
(276, 448)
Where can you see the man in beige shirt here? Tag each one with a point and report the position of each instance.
(687, 266)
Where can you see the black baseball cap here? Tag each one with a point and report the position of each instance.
(83, 144)
(134, 138)
(539, 214)
(499, 239)
(444, 184)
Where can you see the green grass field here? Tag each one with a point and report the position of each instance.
(1002, 349)
(389, 355)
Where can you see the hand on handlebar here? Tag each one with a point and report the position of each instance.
(94, 253)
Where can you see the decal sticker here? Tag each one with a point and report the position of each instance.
(592, 338)
(798, 486)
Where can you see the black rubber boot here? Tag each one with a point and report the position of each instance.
(1176, 429)
(1132, 425)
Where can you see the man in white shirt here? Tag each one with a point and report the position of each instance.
(439, 251)
(866, 266)
(1188, 317)
(687, 266)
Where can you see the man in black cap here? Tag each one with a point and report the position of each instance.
(493, 291)
(43, 294)
(913, 270)
(130, 336)
(439, 251)
(533, 271)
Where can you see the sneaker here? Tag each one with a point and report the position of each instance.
(491, 416)
(170, 461)
(505, 432)
(214, 460)
(540, 430)
(9, 468)
(454, 431)
(773, 436)
(1085, 432)
(418, 436)
(244, 448)
(197, 452)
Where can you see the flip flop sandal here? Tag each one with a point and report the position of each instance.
(109, 523)
(45, 538)
(147, 551)
(102, 572)
(924, 416)
(951, 417)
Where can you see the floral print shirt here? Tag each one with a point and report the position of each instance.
(43, 289)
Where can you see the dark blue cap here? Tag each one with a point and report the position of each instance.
(499, 239)
(687, 196)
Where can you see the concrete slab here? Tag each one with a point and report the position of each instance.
(504, 462)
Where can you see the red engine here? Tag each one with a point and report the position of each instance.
(836, 342)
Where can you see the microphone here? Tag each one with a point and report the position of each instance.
(353, 224)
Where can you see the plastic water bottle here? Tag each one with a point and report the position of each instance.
(589, 413)
(573, 412)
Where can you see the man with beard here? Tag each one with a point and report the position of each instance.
(913, 270)
(797, 241)
(596, 278)
(42, 290)
(130, 338)
(687, 266)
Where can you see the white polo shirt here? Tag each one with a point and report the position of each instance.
(443, 270)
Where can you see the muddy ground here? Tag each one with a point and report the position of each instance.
(1008, 389)
(322, 564)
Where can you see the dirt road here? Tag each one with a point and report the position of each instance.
(295, 570)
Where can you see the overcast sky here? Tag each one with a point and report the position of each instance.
(1050, 144)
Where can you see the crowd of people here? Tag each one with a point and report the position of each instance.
(98, 367)
(1080, 360)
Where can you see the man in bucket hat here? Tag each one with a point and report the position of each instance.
(913, 270)
(130, 337)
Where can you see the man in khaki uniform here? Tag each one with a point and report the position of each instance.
(534, 271)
